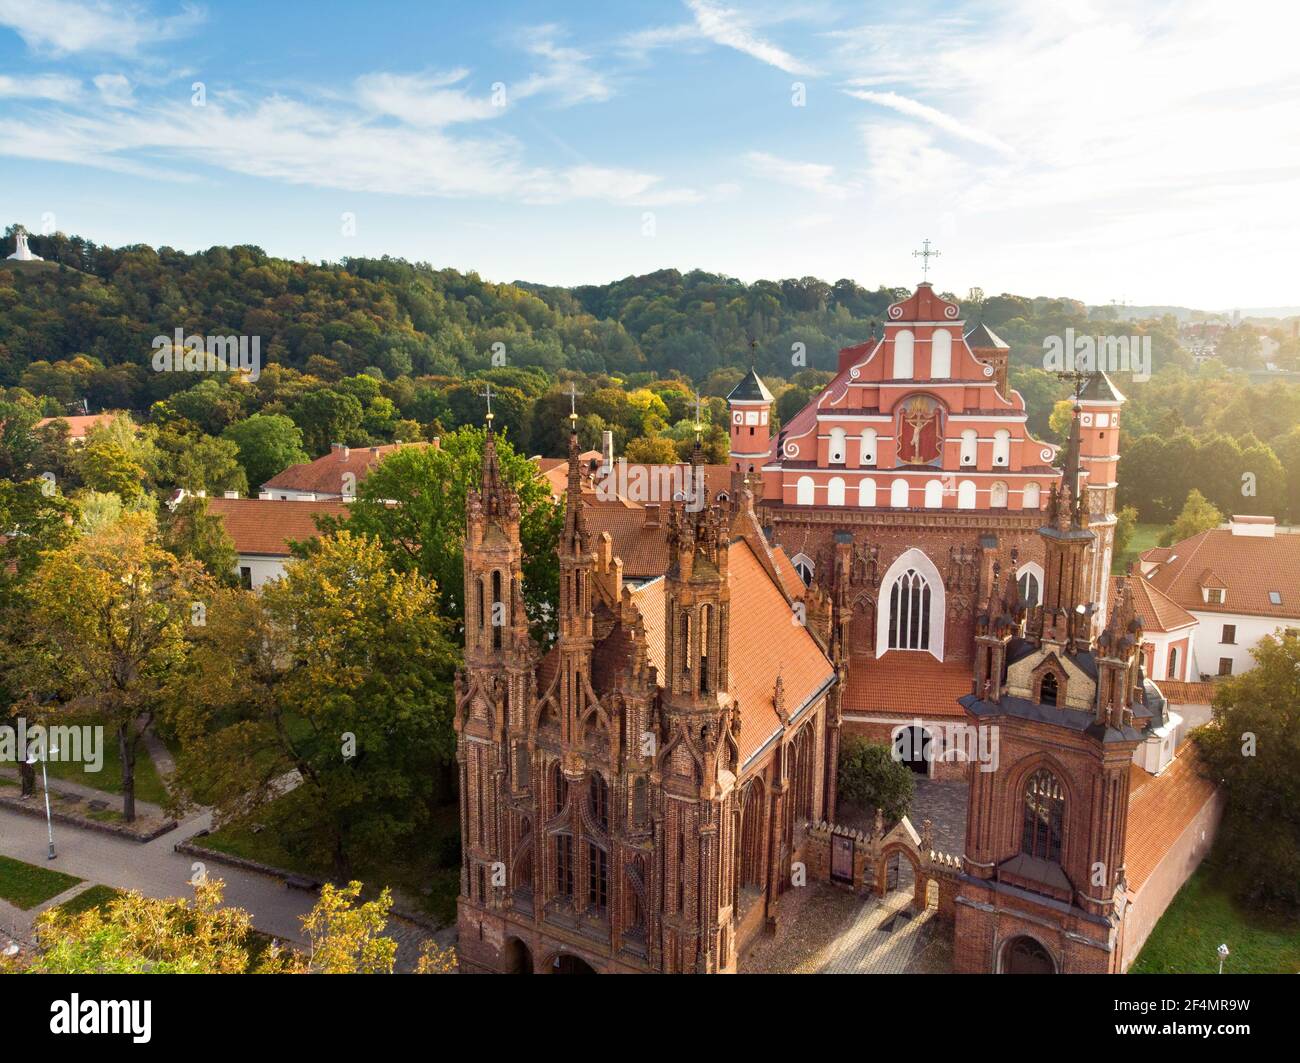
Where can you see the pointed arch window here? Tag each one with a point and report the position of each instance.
(598, 799)
(805, 567)
(909, 612)
(1044, 816)
(1030, 589)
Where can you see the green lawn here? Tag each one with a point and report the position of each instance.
(434, 866)
(95, 897)
(1204, 916)
(148, 786)
(1145, 536)
(26, 885)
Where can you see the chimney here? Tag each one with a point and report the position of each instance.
(607, 449)
(1253, 527)
(651, 515)
(340, 450)
(264, 495)
(374, 452)
(230, 494)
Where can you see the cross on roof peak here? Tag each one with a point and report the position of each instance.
(487, 394)
(573, 405)
(925, 254)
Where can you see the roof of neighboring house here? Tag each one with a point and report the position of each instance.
(555, 471)
(1160, 808)
(1156, 610)
(267, 526)
(1245, 567)
(763, 642)
(750, 389)
(80, 424)
(324, 476)
(906, 683)
(1177, 692)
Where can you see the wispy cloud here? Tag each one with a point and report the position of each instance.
(724, 26)
(41, 87)
(816, 177)
(932, 116)
(65, 27)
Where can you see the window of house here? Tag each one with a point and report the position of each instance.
(1048, 690)
(1225, 666)
(1214, 596)
(1229, 634)
(1173, 663)
(246, 577)
(1275, 597)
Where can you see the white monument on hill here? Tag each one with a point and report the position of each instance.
(23, 253)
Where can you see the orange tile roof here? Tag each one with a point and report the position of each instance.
(906, 683)
(1247, 566)
(1180, 693)
(790, 579)
(1156, 609)
(763, 642)
(324, 476)
(80, 424)
(1159, 810)
(266, 526)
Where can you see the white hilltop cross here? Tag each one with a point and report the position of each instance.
(925, 255)
(23, 253)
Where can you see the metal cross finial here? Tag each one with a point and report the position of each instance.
(573, 405)
(697, 413)
(925, 255)
(487, 394)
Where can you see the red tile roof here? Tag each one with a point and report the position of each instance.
(80, 424)
(266, 526)
(1157, 611)
(1180, 693)
(324, 476)
(1160, 808)
(1247, 567)
(763, 642)
(906, 683)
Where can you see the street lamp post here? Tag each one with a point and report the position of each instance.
(45, 783)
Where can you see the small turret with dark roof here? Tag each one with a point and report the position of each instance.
(750, 389)
(750, 406)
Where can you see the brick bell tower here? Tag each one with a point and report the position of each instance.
(699, 757)
(492, 690)
(750, 404)
(1043, 888)
(1099, 403)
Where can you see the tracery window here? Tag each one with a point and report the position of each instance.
(909, 612)
(1044, 816)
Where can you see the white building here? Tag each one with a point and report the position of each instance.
(262, 530)
(1240, 582)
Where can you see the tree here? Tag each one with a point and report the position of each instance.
(340, 671)
(653, 450)
(1062, 415)
(326, 417)
(105, 465)
(1251, 749)
(1197, 516)
(268, 443)
(190, 531)
(211, 464)
(1125, 525)
(106, 624)
(871, 778)
(135, 934)
(425, 531)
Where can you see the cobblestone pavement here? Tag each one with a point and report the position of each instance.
(827, 930)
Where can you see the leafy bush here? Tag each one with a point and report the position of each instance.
(871, 778)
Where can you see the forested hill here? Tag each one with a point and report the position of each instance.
(415, 320)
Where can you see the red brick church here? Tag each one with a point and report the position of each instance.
(917, 569)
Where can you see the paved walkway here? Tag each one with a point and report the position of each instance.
(883, 939)
(156, 870)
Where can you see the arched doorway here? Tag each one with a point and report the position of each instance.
(898, 872)
(518, 957)
(912, 748)
(567, 963)
(1024, 955)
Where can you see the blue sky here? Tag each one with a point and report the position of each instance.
(1105, 151)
